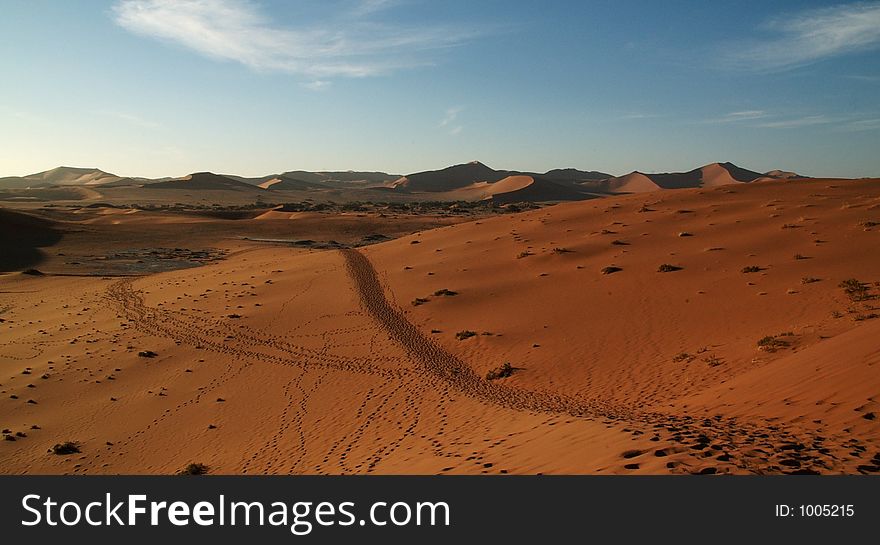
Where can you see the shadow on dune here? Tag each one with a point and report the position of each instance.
(22, 237)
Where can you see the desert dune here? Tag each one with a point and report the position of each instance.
(726, 329)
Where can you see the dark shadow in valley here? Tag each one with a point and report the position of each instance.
(21, 237)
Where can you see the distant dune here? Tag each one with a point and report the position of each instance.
(574, 175)
(472, 181)
(711, 175)
(61, 176)
(450, 178)
(285, 183)
(529, 189)
(203, 181)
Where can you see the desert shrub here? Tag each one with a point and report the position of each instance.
(713, 361)
(500, 372)
(771, 344)
(446, 292)
(666, 267)
(751, 269)
(682, 356)
(466, 334)
(65, 448)
(194, 469)
(855, 290)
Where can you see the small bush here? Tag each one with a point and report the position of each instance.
(500, 372)
(446, 292)
(751, 269)
(771, 344)
(683, 356)
(855, 290)
(194, 469)
(65, 448)
(466, 334)
(713, 361)
(666, 267)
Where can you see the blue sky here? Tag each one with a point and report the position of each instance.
(163, 88)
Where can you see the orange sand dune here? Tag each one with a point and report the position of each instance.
(745, 356)
(520, 188)
(711, 175)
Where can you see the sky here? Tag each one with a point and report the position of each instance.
(251, 87)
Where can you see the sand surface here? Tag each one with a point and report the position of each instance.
(747, 357)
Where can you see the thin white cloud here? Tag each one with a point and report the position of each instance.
(797, 122)
(317, 85)
(861, 125)
(131, 119)
(450, 118)
(810, 36)
(639, 115)
(451, 115)
(369, 7)
(739, 117)
(236, 30)
(864, 77)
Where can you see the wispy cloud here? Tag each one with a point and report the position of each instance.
(317, 85)
(236, 30)
(861, 125)
(864, 77)
(639, 115)
(369, 7)
(738, 117)
(762, 119)
(797, 122)
(810, 36)
(450, 119)
(451, 115)
(131, 119)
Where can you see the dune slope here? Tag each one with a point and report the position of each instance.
(743, 354)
